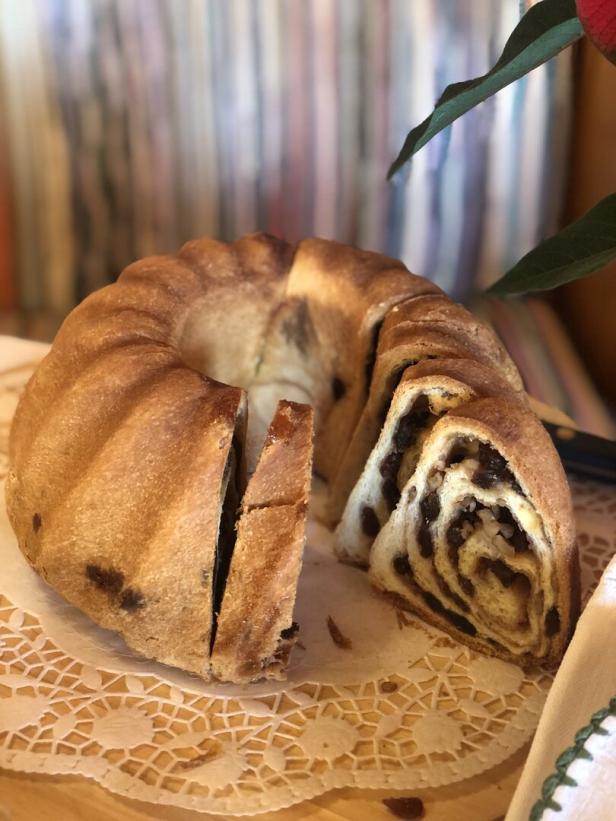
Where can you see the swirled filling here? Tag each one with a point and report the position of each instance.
(400, 462)
(477, 548)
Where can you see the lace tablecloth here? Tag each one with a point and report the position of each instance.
(404, 707)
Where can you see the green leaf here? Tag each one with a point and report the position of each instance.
(545, 29)
(579, 249)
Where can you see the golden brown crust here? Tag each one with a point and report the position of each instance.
(241, 284)
(260, 593)
(438, 312)
(484, 380)
(284, 468)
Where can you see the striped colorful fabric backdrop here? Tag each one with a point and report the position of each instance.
(550, 366)
(133, 125)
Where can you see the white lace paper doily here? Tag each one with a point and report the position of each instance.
(405, 707)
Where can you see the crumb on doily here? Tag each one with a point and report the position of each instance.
(402, 619)
(338, 637)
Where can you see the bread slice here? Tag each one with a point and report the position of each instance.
(404, 342)
(426, 391)
(482, 542)
(255, 630)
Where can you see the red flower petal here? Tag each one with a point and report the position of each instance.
(599, 20)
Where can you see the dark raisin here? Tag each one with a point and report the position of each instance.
(36, 522)
(110, 580)
(391, 493)
(369, 522)
(490, 459)
(454, 536)
(432, 602)
(411, 423)
(406, 432)
(519, 540)
(456, 619)
(552, 622)
(388, 687)
(131, 599)
(421, 406)
(485, 478)
(466, 585)
(503, 572)
(390, 465)
(424, 537)
(504, 515)
(402, 565)
(492, 468)
(430, 507)
(410, 809)
(463, 625)
(338, 388)
(455, 457)
(289, 632)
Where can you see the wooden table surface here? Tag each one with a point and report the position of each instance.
(67, 798)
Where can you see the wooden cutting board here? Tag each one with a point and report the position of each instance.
(64, 798)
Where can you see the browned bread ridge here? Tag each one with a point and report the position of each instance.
(255, 631)
(482, 543)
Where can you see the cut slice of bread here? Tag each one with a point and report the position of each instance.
(404, 342)
(482, 543)
(426, 391)
(255, 630)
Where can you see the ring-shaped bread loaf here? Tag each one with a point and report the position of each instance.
(129, 451)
